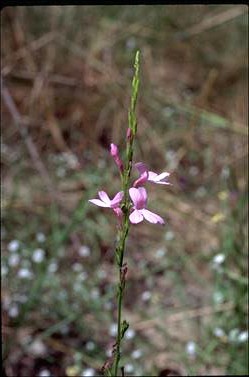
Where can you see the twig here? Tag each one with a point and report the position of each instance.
(9, 103)
(213, 21)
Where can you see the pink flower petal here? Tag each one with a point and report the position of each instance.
(104, 197)
(143, 196)
(152, 217)
(99, 203)
(152, 176)
(138, 196)
(142, 179)
(117, 199)
(136, 217)
(162, 176)
(135, 196)
(141, 167)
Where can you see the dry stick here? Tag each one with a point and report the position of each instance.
(213, 21)
(28, 140)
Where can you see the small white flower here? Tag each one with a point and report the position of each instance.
(44, 373)
(200, 192)
(38, 255)
(243, 337)
(193, 170)
(13, 311)
(233, 335)
(129, 334)
(37, 348)
(82, 276)
(218, 297)
(160, 253)
(129, 368)
(169, 235)
(94, 293)
(108, 352)
(88, 372)
(191, 348)
(113, 329)
(84, 251)
(4, 270)
(53, 267)
(146, 296)
(219, 332)
(218, 259)
(14, 260)
(101, 274)
(24, 273)
(77, 267)
(90, 345)
(40, 237)
(136, 354)
(13, 246)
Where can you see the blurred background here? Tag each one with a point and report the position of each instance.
(66, 84)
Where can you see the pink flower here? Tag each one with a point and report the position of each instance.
(115, 154)
(146, 175)
(107, 202)
(139, 198)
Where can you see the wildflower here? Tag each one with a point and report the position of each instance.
(113, 329)
(191, 348)
(233, 335)
(218, 297)
(219, 332)
(136, 354)
(25, 273)
(160, 253)
(218, 259)
(72, 370)
(14, 260)
(88, 372)
(217, 217)
(53, 267)
(146, 295)
(243, 337)
(41, 237)
(13, 246)
(160, 179)
(169, 235)
(13, 311)
(90, 345)
(115, 154)
(106, 201)
(139, 198)
(44, 373)
(38, 255)
(129, 334)
(129, 368)
(84, 251)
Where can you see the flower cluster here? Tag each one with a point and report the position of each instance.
(138, 194)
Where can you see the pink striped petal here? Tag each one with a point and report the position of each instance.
(141, 180)
(162, 176)
(152, 217)
(99, 203)
(104, 197)
(143, 196)
(117, 199)
(141, 167)
(136, 217)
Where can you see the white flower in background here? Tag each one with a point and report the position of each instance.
(218, 259)
(13, 246)
(24, 273)
(169, 235)
(219, 332)
(218, 297)
(160, 253)
(4, 270)
(14, 260)
(113, 329)
(233, 335)
(53, 267)
(108, 352)
(13, 311)
(129, 334)
(194, 171)
(200, 192)
(44, 373)
(90, 346)
(77, 267)
(146, 296)
(84, 251)
(37, 348)
(191, 348)
(88, 372)
(82, 276)
(243, 337)
(136, 354)
(129, 368)
(40, 237)
(94, 293)
(102, 274)
(108, 305)
(38, 255)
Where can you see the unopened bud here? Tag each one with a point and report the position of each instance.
(115, 154)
